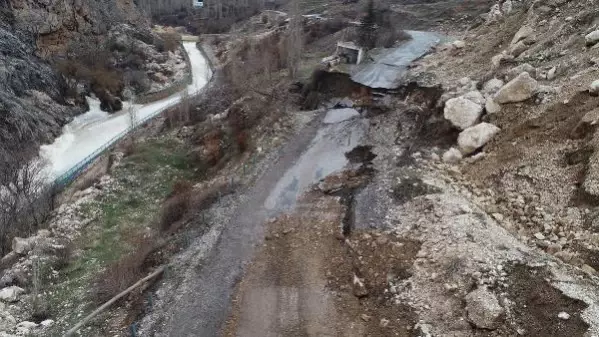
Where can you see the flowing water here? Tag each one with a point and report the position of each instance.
(91, 130)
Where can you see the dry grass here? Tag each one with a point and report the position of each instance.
(187, 202)
(122, 273)
(173, 210)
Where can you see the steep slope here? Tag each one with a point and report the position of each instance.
(35, 100)
(32, 107)
(55, 23)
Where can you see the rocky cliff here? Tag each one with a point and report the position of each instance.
(55, 24)
(34, 97)
(32, 108)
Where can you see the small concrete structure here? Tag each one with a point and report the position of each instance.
(349, 52)
(198, 3)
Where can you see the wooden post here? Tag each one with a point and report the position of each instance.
(112, 301)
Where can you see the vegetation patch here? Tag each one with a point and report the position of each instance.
(114, 250)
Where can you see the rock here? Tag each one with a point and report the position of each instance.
(522, 33)
(551, 74)
(47, 323)
(475, 96)
(22, 246)
(592, 38)
(475, 137)
(109, 102)
(587, 125)
(462, 112)
(563, 315)
(365, 317)
(11, 294)
(23, 331)
(475, 158)
(554, 248)
(464, 81)
(539, 236)
(517, 49)
(7, 321)
(27, 325)
(458, 44)
(359, 288)
(492, 86)
(507, 7)
(594, 88)
(483, 309)
(384, 323)
(497, 59)
(588, 269)
(491, 106)
(516, 71)
(494, 13)
(519, 89)
(452, 156)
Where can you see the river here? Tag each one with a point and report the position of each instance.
(90, 131)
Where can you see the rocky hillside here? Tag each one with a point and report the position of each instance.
(55, 24)
(49, 49)
(32, 107)
(518, 112)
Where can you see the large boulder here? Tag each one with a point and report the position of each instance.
(592, 38)
(519, 89)
(22, 246)
(476, 137)
(462, 112)
(11, 294)
(522, 33)
(483, 309)
(491, 106)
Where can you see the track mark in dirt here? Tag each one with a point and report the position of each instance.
(537, 305)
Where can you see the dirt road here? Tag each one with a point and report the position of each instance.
(201, 309)
(310, 280)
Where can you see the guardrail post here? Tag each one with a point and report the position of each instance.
(134, 329)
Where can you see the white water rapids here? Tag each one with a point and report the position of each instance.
(90, 131)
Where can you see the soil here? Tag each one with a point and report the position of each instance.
(411, 187)
(537, 305)
(301, 283)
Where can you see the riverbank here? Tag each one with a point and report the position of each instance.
(96, 129)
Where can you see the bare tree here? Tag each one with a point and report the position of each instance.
(294, 39)
(132, 113)
(26, 196)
